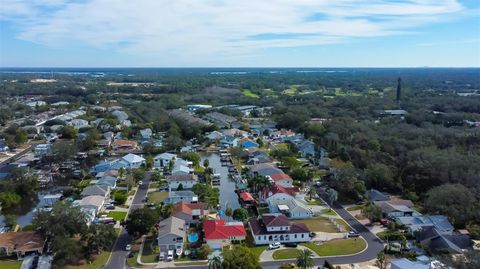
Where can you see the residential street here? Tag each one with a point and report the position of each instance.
(119, 254)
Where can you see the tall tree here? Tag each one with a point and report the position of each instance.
(305, 259)
(239, 257)
(331, 196)
(381, 261)
(140, 221)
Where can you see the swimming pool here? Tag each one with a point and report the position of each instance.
(193, 237)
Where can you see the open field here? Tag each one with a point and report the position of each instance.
(335, 247)
(322, 224)
(157, 196)
(249, 93)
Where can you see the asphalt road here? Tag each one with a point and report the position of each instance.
(119, 254)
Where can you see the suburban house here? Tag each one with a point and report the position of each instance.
(214, 135)
(186, 180)
(264, 169)
(132, 161)
(431, 239)
(42, 150)
(375, 195)
(247, 199)
(234, 132)
(107, 181)
(229, 141)
(416, 223)
(422, 262)
(171, 234)
(396, 208)
(219, 233)
(146, 134)
(182, 166)
(21, 243)
(289, 206)
(248, 143)
(78, 123)
(179, 196)
(121, 144)
(257, 156)
(278, 192)
(277, 228)
(98, 190)
(281, 179)
(109, 173)
(93, 202)
(307, 149)
(189, 212)
(162, 160)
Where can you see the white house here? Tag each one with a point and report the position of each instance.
(133, 161)
(291, 207)
(162, 160)
(93, 202)
(186, 180)
(281, 179)
(277, 228)
(78, 123)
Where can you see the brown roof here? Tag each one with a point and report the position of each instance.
(124, 143)
(187, 208)
(275, 220)
(258, 228)
(22, 241)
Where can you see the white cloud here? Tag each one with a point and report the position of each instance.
(214, 28)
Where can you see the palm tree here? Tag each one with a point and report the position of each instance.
(312, 192)
(305, 259)
(215, 263)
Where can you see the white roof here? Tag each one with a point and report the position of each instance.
(133, 158)
(166, 156)
(283, 207)
(92, 200)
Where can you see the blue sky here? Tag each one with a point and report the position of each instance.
(248, 33)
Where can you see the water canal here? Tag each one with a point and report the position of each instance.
(228, 197)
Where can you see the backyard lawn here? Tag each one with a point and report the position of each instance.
(335, 247)
(117, 215)
(289, 253)
(249, 93)
(322, 224)
(10, 264)
(157, 196)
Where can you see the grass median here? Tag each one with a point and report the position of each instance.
(346, 246)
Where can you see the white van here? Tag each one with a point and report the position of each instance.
(170, 256)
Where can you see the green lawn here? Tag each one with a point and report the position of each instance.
(117, 215)
(157, 196)
(322, 224)
(10, 264)
(329, 212)
(283, 254)
(335, 247)
(132, 261)
(249, 93)
(262, 210)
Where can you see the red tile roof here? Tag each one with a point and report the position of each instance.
(187, 208)
(246, 196)
(218, 229)
(280, 176)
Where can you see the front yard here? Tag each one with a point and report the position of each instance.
(150, 250)
(335, 247)
(117, 215)
(98, 262)
(256, 250)
(288, 253)
(10, 264)
(321, 224)
(157, 197)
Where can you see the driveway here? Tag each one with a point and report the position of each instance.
(118, 258)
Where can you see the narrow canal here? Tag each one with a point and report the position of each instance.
(228, 197)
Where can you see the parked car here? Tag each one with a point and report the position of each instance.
(128, 247)
(385, 222)
(170, 256)
(161, 257)
(163, 188)
(353, 233)
(291, 244)
(312, 234)
(110, 207)
(274, 245)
